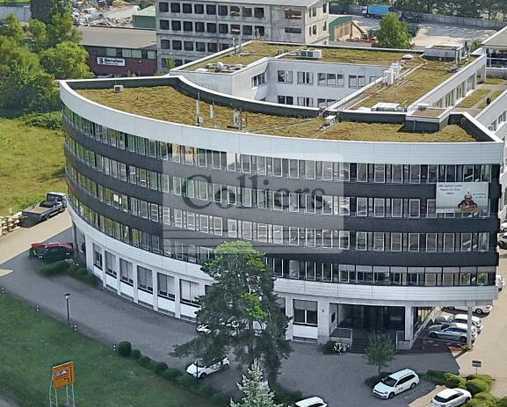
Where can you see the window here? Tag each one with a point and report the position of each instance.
(144, 279)
(397, 174)
(211, 27)
(247, 12)
(305, 312)
(165, 286)
(413, 208)
(362, 172)
(163, 7)
(110, 264)
(466, 242)
(188, 45)
(292, 30)
(259, 80)
(200, 46)
(259, 31)
(396, 239)
(362, 207)
(483, 242)
(222, 10)
(378, 241)
(431, 209)
(212, 47)
(188, 26)
(379, 207)
(361, 240)
(344, 239)
(164, 25)
(199, 8)
(380, 173)
(175, 7)
(396, 207)
(305, 78)
(259, 12)
(126, 274)
(415, 174)
(189, 292)
(431, 242)
(235, 29)
(304, 101)
(285, 76)
(199, 27)
(176, 25)
(223, 28)
(211, 9)
(448, 242)
(187, 8)
(413, 242)
(97, 257)
(235, 11)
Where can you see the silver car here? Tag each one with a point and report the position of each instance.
(453, 331)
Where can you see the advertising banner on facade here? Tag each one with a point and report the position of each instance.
(110, 61)
(461, 197)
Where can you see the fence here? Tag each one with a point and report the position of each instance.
(9, 223)
(433, 18)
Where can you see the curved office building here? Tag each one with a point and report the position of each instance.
(371, 214)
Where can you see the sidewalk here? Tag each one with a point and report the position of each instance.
(109, 318)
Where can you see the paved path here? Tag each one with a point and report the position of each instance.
(107, 317)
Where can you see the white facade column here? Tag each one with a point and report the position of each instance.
(177, 292)
(154, 276)
(89, 254)
(409, 323)
(469, 327)
(289, 312)
(323, 321)
(117, 268)
(134, 278)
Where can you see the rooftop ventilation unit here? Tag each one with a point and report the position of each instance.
(310, 53)
(117, 88)
(387, 107)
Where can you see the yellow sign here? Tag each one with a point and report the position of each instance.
(63, 374)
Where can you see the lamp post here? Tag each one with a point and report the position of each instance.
(67, 300)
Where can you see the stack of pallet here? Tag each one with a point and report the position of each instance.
(9, 223)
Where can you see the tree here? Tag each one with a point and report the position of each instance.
(24, 86)
(380, 351)
(43, 9)
(256, 393)
(393, 33)
(240, 311)
(12, 29)
(61, 29)
(66, 61)
(38, 35)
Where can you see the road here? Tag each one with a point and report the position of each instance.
(109, 318)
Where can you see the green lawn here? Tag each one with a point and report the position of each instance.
(30, 343)
(31, 164)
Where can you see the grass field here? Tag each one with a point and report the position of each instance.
(31, 343)
(31, 164)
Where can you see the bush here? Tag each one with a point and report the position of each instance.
(484, 377)
(486, 397)
(82, 274)
(58, 267)
(502, 402)
(171, 373)
(284, 396)
(160, 368)
(51, 120)
(453, 380)
(435, 376)
(136, 354)
(145, 361)
(475, 386)
(328, 348)
(482, 400)
(124, 349)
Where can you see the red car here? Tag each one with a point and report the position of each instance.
(50, 252)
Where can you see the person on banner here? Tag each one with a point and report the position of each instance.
(468, 205)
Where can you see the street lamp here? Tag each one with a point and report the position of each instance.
(67, 300)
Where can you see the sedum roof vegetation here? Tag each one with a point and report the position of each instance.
(168, 104)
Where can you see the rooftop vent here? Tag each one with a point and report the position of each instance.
(117, 88)
(387, 107)
(310, 53)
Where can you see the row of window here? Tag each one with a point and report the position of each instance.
(278, 167)
(300, 201)
(325, 79)
(305, 101)
(314, 271)
(198, 46)
(144, 278)
(212, 28)
(211, 9)
(458, 93)
(122, 53)
(293, 236)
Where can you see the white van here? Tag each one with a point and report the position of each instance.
(396, 383)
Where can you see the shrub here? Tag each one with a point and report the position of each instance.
(145, 361)
(160, 367)
(58, 267)
(51, 120)
(482, 400)
(124, 349)
(453, 380)
(284, 396)
(502, 402)
(328, 347)
(484, 377)
(435, 376)
(171, 374)
(475, 386)
(486, 397)
(136, 354)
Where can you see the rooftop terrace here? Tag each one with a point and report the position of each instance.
(168, 104)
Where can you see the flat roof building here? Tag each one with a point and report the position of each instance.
(372, 197)
(187, 31)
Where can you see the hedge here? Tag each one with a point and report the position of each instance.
(160, 367)
(136, 354)
(58, 267)
(435, 376)
(453, 380)
(171, 373)
(145, 361)
(475, 386)
(124, 349)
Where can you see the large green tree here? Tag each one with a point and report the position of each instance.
(67, 60)
(240, 312)
(43, 9)
(393, 33)
(61, 29)
(12, 29)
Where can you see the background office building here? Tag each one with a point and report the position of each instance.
(187, 31)
(371, 212)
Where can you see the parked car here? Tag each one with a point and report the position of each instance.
(55, 203)
(451, 398)
(453, 331)
(463, 319)
(51, 252)
(311, 402)
(503, 227)
(477, 309)
(502, 241)
(396, 383)
(199, 370)
(500, 282)
(442, 319)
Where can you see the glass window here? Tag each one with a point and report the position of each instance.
(448, 242)
(397, 174)
(362, 207)
(431, 242)
(415, 174)
(126, 274)
(413, 208)
(396, 207)
(189, 292)
(144, 279)
(466, 242)
(165, 286)
(413, 242)
(380, 173)
(361, 240)
(396, 242)
(378, 241)
(97, 257)
(362, 172)
(344, 239)
(379, 208)
(305, 312)
(110, 264)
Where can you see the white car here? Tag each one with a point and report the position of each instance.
(500, 282)
(478, 309)
(396, 383)
(503, 227)
(311, 402)
(463, 319)
(451, 398)
(502, 241)
(199, 370)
